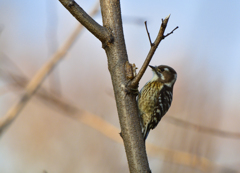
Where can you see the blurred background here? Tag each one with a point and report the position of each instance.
(71, 123)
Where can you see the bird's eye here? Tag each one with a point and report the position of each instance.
(161, 69)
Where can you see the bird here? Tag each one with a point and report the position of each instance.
(155, 98)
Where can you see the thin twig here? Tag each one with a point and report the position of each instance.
(151, 44)
(37, 80)
(160, 37)
(171, 32)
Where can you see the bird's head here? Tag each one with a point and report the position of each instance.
(165, 74)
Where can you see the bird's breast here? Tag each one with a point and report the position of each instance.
(148, 95)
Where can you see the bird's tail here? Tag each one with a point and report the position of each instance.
(145, 132)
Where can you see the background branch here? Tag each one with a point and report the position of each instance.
(203, 129)
(47, 127)
(37, 80)
(63, 106)
(18, 82)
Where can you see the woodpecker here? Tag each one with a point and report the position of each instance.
(155, 97)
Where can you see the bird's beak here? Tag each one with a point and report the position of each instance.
(153, 67)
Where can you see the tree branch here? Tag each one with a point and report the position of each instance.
(114, 45)
(87, 21)
(134, 83)
(170, 32)
(126, 103)
(151, 44)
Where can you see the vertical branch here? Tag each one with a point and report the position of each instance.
(111, 35)
(126, 103)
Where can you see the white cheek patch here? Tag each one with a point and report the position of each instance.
(162, 77)
(166, 69)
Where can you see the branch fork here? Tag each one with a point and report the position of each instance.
(133, 84)
(102, 33)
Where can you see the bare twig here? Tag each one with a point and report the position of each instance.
(151, 44)
(87, 21)
(170, 32)
(160, 37)
(37, 80)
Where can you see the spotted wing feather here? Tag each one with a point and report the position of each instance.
(163, 102)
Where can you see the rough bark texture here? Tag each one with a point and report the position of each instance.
(126, 103)
(111, 36)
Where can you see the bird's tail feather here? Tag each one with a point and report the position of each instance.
(145, 132)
